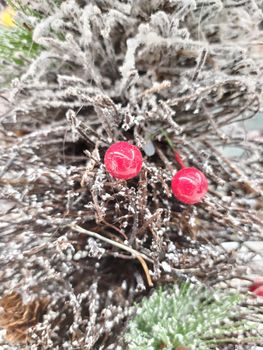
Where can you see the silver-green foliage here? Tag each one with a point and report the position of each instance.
(189, 315)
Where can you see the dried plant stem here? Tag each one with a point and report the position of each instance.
(141, 257)
(167, 76)
(247, 183)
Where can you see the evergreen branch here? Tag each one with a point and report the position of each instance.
(187, 316)
(16, 45)
(17, 48)
(19, 7)
(28, 10)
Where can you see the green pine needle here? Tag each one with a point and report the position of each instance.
(17, 51)
(189, 316)
(18, 6)
(16, 46)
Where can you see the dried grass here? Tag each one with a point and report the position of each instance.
(183, 72)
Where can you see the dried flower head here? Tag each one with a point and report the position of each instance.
(7, 17)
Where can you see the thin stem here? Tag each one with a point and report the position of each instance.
(141, 257)
(179, 160)
(176, 154)
(168, 140)
(231, 340)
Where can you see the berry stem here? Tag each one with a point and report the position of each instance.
(167, 138)
(176, 154)
(179, 160)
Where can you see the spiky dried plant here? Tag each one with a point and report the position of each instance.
(164, 75)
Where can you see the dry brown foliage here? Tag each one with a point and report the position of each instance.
(155, 73)
(17, 318)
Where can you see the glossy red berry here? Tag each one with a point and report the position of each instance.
(259, 291)
(258, 283)
(189, 185)
(123, 160)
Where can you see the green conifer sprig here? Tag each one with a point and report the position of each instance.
(17, 48)
(190, 316)
(18, 6)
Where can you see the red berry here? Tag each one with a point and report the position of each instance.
(123, 160)
(259, 291)
(257, 283)
(189, 185)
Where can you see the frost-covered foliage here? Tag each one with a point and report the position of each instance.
(189, 317)
(159, 74)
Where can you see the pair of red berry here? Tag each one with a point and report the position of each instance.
(124, 161)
